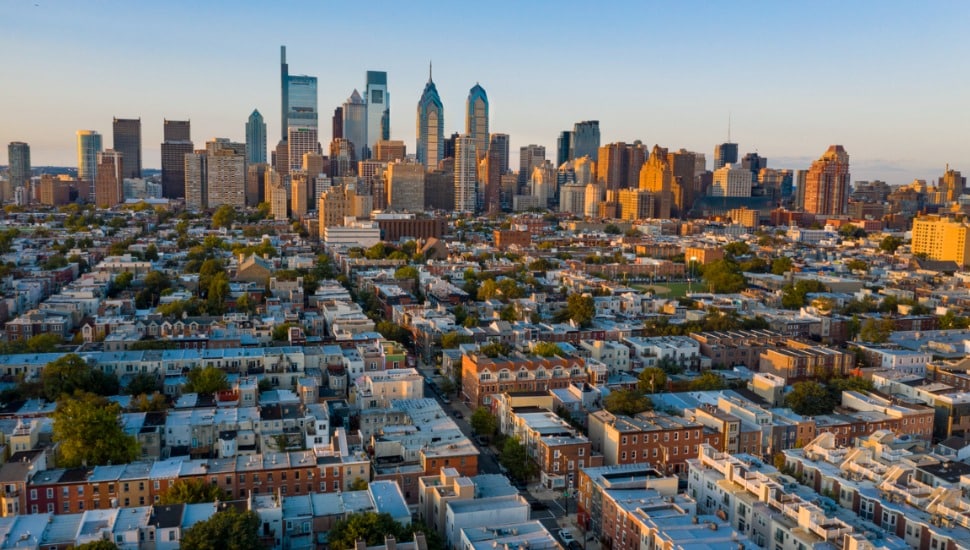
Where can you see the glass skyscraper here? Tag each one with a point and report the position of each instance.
(301, 119)
(88, 147)
(476, 119)
(431, 126)
(255, 138)
(378, 109)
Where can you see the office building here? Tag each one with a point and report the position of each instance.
(378, 111)
(500, 144)
(530, 156)
(338, 123)
(563, 142)
(226, 178)
(255, 191)
(127, 141)
(302, 121)
(110, 176)
(276, 196)
(343, 159)
(585, 140)
(255, 138)
(543, 184)
(54, 191)
(725, 153)
(827, 183)
(387, 150)
(284, 93)
(177, 143)
(281, 157)
(637, 204)
(491, 170)
(18, 165)
(301, 141)
(431, 126)
(941, 238)
(731, 181)
(88, 147)
(754, 162)
(355, 124)
(196, 180)
(405, 186)
(657, 176)
(466, 174)
(476, 119)
(951, 185)
(684, 166)
(299, 194)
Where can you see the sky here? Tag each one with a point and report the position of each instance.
(885, 79)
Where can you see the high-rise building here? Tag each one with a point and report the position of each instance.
(572, 199)
(466, 174)
(543, 184)
(378, 110)
(725, 153)
(300, 141)
(18, 158)
(284, 93)
(299, 194)
(612, 168)
(952, 185)
(684, 166)
(563, 146)
(657, 176)
(941, 238)
(585, 140)
(450, 146)
(827, 183)
(301, 120)
(637, 204)
(405, 186)
(255, 138)
(731, 180)
(196, 180)
(530, 156)
(226, 178)
(127, 141)
(275, 192)
(585, 170)
(388, 150)
(476, 119)
(431, 126)
(754, 162)
(88, 147)
(255, 191)
(800, 177)
(636, 156)
(338, 123)
(492, 180)
(177, 143)
(343, 159)
(355, 124)
(500, 144)
(110, 177)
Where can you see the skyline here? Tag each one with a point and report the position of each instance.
(881, 80)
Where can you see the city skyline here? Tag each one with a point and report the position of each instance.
(854, 82)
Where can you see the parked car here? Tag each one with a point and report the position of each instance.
(538, 505)
(574, 545)
(566, 537)
(459, 415)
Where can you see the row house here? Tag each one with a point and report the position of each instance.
(736, 347)
(666, 442)
(483, 376)
(794, 360)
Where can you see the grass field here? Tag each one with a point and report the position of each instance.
(670, 290)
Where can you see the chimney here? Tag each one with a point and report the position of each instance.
(390, 543)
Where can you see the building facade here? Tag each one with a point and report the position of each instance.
(127, 141)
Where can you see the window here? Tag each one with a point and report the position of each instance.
(50, 492)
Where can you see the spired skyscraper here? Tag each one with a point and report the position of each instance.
(255, 138)
(431, 126)
(476, 119)
(88, 147)
(127, 141)
(378, 110)
(177, 144)
(355, 123)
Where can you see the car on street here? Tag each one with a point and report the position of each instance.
(566, 537)
(458, 415)
(445, 400)
(574, 545)
(537, 505)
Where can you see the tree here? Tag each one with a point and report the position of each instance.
(206, 380)
(857, 265)
(737, 248)
(723, 277)
(652, 379)
(611, 229)
(581, 309)
(795, 296)
(42, 343)
(121, 283)
(890, 243)
(516, 460)
(483, 422)
(224, 216)
(192, 491)
(487, 290)
(494, 349)
(148, 403)
(208, 271)
(875, 331)
(781, 265)
(546, 349)
(359, 484)
(151, 252)
(393, 331)
(708, 380)
(809, 398)
(509, 313)
(71, 373)
(215, 302)
(229, 528)
(406, 272)
(370, 527)
(627, 402)
(452, 340)
(88, 429)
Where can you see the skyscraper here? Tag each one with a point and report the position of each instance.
(476, 119)
(109, 179)
(226, 178)
(754, 162)
(657, 176)
(466, 173)
(255, 138)
(951, 185)
(378, 110)
(355, 124)
(18, 158)
(731, 180)
(499, 143)
(127, 141)
(178, 143)
(563, 144)
(301, 119)
(725, 153)
(585, 140)
(431, 126)
(196, 180)
(612, 168)
(338, 124)
(684, 165)
(492, 180)
(405, 186)
(388, 150)
(284, 92)
(827, 183)
(530, 156)
(88, 147)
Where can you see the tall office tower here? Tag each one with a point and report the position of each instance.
(301, 120)
(572, 199)
(338, 123)
(439, 190)
(476, 119)
(255, 138)
(111, 175)
(638, 204)
(684, 166)
(530, 156)
(387, 150)
(800, 178)
(88, 147)
(355, 124)
(754, 162)
(500, 144)
(450, 146)
(316, 167)
(284, 93)
(18, 158)
(612, 168)
(657, 176)
(255, 192)
(827, 183)
(127, 141)
(466, 174)
(299, 194)
(563, 144)
(343, 159)
(492, 181)
(431, 126)
(731, 180)
(585, 170)
(271, 179)
(725, 153)
(543, 183)
(276, 196)
(378, 110)
(226, 173)
(177, 143)
(951, 184)
(405, 186)
(196, 180)
(636, 156)
(281, 157)
(585, 140)
(301, 141)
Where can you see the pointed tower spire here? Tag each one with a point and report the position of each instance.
(429, 70)
(729, 127)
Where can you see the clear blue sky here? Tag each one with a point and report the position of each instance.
(886, 79)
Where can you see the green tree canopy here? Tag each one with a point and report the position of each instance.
(809, 398)
(359, 484)
(580, 309)
(708, 380)
(627, 402)
(452, 340)
(652, 380)
(228, 529)
(876, 331)
(149, 402)
(515, 458)
(737, 248)
(206, 380)
(88, 429)
(192, 491)
(890, 243)
(224, 216)
(484, 422)
(723, 277)
(71, 373)
(781, 265)
(370, 527)
(795, 296)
